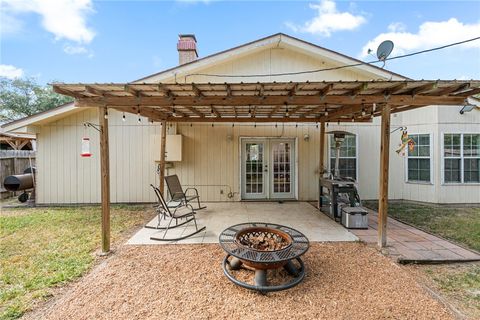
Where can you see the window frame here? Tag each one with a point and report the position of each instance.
(430, 157)
(462, 158)
(356, 156)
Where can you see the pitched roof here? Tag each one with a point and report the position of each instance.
(270, 40)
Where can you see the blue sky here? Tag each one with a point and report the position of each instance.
(116, 41)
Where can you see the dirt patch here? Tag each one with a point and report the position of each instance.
(344, 280)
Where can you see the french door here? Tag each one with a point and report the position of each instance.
(268, 168)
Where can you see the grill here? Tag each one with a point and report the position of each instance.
(259, 247)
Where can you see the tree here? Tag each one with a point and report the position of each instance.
(23, 97)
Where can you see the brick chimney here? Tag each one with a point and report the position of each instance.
(187, 48)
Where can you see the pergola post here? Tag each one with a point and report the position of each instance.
(322, 147)
(322, 155)
(105, 178)
(163, 144)
(383, 186)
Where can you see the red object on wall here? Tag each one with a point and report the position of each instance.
(86, 147)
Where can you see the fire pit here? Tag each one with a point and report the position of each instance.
(260, 247)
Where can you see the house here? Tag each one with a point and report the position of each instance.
(217, 157)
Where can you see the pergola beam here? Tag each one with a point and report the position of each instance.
(193, 110)
(197, 91)
(423, 88)
(259, 119)
(278, 101)
(215, 111)
(92, 90)
(132, 91)
(311, 111)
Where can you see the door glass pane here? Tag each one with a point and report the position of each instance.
(254, 168)
(281, 167)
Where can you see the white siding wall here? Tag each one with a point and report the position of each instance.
(437, 120)
(65, 177)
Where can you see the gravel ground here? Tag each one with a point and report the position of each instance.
(344, 281)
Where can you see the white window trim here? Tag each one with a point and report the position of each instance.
(356, 156)
(431, 182)
(442, 166)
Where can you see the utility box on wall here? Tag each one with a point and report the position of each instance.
(173, 147)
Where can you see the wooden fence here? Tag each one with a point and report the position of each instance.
(13, 162)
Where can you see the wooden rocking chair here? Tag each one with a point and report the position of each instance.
(180, 213)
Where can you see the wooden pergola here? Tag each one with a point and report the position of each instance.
(271, 102)
(16, 140)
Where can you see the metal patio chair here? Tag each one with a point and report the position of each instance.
(180, 213)
(178, 195)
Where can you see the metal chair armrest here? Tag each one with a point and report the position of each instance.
(195, 189)
(192, 211)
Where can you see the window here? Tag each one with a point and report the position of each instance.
(418, 160)
(461, 154)
(348, 156)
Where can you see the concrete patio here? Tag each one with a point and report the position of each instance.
(218, 216)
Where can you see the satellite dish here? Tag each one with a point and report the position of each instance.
(384, 50)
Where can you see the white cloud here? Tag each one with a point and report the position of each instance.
(430, 34)
(328, 20)
(70, 49)
(8, 23)
(10, 72)
(66, 19)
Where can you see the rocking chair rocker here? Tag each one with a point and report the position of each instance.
(180, 212)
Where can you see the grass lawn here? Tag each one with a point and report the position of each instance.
(42, 248)
(459, 283)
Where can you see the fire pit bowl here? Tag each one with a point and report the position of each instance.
(260, 246)
(263, 239)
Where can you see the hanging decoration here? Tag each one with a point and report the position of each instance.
(86, 140)
(405, 141)
(86, 147)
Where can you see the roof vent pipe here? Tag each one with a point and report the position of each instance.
(187, 48)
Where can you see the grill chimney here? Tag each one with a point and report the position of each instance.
(187, 48)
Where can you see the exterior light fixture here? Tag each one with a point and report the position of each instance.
(123, 117)
(106, 114)
(467, 108)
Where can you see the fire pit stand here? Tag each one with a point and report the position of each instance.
(260, 246)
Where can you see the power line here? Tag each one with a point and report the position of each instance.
(331, 68)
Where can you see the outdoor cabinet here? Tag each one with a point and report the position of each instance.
(173, 148)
